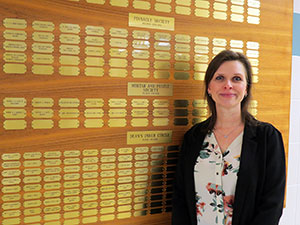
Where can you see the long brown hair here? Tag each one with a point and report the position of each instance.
(213, 66)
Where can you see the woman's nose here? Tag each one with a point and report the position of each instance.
(228, 85)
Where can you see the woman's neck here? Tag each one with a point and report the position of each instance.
(228, 118)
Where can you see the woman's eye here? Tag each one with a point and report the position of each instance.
(237, 78)
(219, 77)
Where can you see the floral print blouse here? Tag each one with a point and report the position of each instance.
(215, 176)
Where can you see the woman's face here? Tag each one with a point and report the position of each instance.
(228, 86)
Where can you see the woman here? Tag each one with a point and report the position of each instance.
(231, 168)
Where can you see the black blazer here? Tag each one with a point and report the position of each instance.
(261, 179)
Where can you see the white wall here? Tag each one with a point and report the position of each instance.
(291, 214)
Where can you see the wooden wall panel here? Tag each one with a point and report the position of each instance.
(81, 174)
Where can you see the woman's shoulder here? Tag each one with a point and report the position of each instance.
(266, 128)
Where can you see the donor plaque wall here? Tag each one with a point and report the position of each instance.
(95, 96)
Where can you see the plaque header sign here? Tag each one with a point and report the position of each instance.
(150, 21)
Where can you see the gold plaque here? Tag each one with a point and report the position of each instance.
(160, 103)
(90, 190)
(11, 165)
(32, 187)
(50, 186)
(108, 151)
(142, 64)
(32, 219)
(14, 68)
(14, 23)
(202, 4)
(117, 113)
(220, 6)
(220, 15)
(118, 52)
(161, 74)
(140, 199)
(140, 44)
(11, 213)
(118, 32)
(181, 76)
(141, 157)
(30, 172)
(89, 175)
(71, 161)
(92, 40)
(73, 191)
(201, 41)
(108, 188)
(117, 102)
(199, 103)
(118, 62)
(55, 216)
(201, 58)
(125, 201)
(32, 203)
(118, 42)
(237, 18)
(43, 37)
(72, 221)
(152, 22)
(139, 34)
(122, 187)
(149, 137)
(90, 212)
(52, 209)
(11, 189)
(92, 167)
(161, 112)
(11, 181)
(157, 148)
(182, 56)
(74, 214)
(11, 221)
(118, 72)
(90, 152)
(162, 55)
(42, 58)
(32, 163)
(182, 47)
(199, 112)
(253, 12)
(183, 10)
(51, 194)
(52, 170)
(69, 113)
(105, 159)
(141, 171)
(69, 60)
(52, 154)
(14, 113)
(69, 28)
(108, 166)
(42, 124)
(199, 76)
(14, 57)
(11, 156)
(140, 103)
(202, 13)
(71, 176)
(87, 198)
(162, 8)
(124, 180)
(236, 8)
(93, 61)
(71, 207)
(93, 102)
(200, 67)
(162, 65)
(158, 36)
(139, 113)
(182, 66)
(93, 123)
(140, 178)
(107, 195)
(95, 30)
(160, 122)
(138, 4)
(124, 172)
(219, 42)
(42, 113)
(201, 49)
(149, 89)
(14, 124)
(43, 25)
(107, 210)
(122, 158)
(93, 113)
(252, 45)
(15, 35)
(107, 217)
(42, 47)
(69, 102)
(183, 2)
(125, 165)
(52, 201)
(91, 50)
(71, 184)
(252, 54)
(32, 179)
(52, 162)
(70, 49)
(140, 73)
(140, 54)
(89, 205)
(11, 173)
(163, 46)
(117, 122)
(69, 39)
(73, 199)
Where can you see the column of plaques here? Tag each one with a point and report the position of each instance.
(93, 113)
(157, 179)
(182, 57)
(237, 10)
(42, 113)
(140, 54)
(52, 187)
(219, 44)
(172, 157)
(162, 56)
(108, 184)
(202, 8)
(69, 48)
(124, 197)
(181, 112)
(253, 11)
(183, 7)
(10, 182)
(42, 47)
(14, 113)
(71, 182)
(69, 112)
(141, 164)
(163, 6)
(253, 56)
(14, 46)
(94, 51)
(117, 112)
(220, 9)
(199, 112)
(90, 186)
(32, 185)
(161, 112)
(118, 53)
(201, 57)
(139, 112)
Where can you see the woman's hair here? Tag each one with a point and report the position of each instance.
(213, 66)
